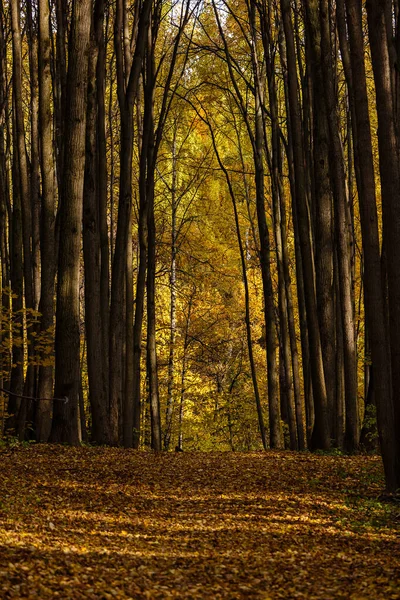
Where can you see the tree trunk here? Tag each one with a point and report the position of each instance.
(323, 208)
(47, 242)
(288, 334)
(128, 73)
(17, 276)
(65, 426)
(94, 315)
(390, 186)
(186, 343)
(151, 333)
(173, 291)
(352, 432)
(305, 350)
(321, 434)
(276, 437)
(24, 185)
(374, 300)
(249, 338)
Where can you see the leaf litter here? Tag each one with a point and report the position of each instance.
(101, 523)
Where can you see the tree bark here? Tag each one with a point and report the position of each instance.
(173, 294)
(65, 426)
(276, 437)
(352, 432)
(323, 208)
(95, 315)
(47, 241)
(127, 89)
(321, 434)
(374, 298)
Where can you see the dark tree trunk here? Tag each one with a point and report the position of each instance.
(65, 426)
(173, 297)
(352, 432)
(323, 208)
(321, 434)
(128, 73)
(47, 242)
(374, 299)
(96, 327)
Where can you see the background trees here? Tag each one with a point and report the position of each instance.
(210, 152)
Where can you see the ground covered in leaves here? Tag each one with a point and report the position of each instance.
(110, 523)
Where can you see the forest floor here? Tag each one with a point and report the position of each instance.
(110, 524)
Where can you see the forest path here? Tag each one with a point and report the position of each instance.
(114, 524)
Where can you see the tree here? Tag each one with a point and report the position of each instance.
(65, 425)
(321, 435)
(47, 242)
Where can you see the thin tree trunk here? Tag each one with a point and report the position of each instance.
(17, 276)
(5, 218)
(31, 376)
(60, 83)
(276, 438)
(34, 170)
(173, 293)
(151, 333)
(253, 370)
(339, 406)
(129, 343)
(132, 419)
(186, 343)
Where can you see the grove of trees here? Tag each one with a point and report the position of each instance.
(200, 224)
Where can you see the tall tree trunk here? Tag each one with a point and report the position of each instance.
(132, 418)
(352, 433)
(249, 336)
(5, 223)
(31, 376)
(65, 426)
(186, 343)
(321, 434)
(390, 185)
(276, 437)
(152, 373)
(34, 170)
(323, 208)
(60, 83)
(374, 299)
(47, 242)
(128, 73)
(94, 323)
(338, 424)
(151, 332)
(129, 344)
(173, 293)
(24, 183)
(305, 349)
(288, 337)
(17, 278)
